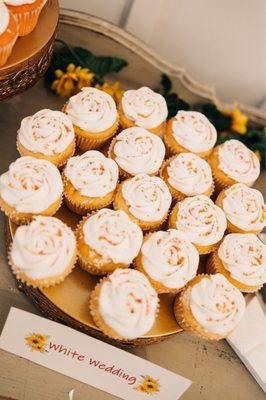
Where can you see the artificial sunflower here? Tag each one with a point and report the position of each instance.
(37, 342)
(113, 89)
(239, 120)
(72, 81)
(148, 385)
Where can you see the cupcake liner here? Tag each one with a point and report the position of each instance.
(120, 204)
(27, 20)
(221, 180)
(214, 266)
(85, 204)
(44, 282)
(24, 218)
(97, 318)
(184, 316)
(5, 51)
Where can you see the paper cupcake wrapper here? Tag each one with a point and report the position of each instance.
(43, 282)
(27, 20)
(97, 318)
(184, 316)
(6, 50)
(214, 266)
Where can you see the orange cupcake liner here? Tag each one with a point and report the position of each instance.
(27, 20)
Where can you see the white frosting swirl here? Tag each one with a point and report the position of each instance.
(44, 248)
(92, 110)
(20, 2)
(147, 197)
(238, 162)
(216, 304)
(47, 132)
(193, 131)
(144, 107)
(244, 256)
(92, 174)
(169, 258)
(189, 174)
(138, 151)
(31, 185)
(244, 207)
(202, 221)
(128, 303)
(113, 235)
(4, 17)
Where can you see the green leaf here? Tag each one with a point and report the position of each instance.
(220, 121)
(166, 83)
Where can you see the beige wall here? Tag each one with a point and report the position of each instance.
(221, 43)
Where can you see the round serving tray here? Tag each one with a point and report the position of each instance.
(31, 54)
(68, 302)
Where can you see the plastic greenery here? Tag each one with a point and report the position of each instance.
(174, 103)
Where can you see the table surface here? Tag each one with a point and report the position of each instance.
(214, 368)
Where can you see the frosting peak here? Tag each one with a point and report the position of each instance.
(144, 107)
(92, 110)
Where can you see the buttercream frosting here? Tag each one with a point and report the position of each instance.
(244, 207)
(113, 235)
(238, 162)
(244, 257)
(202, 221)
(147, 197)
(193, 131)
(47, 132)
(144, 107)
(31, 185)
(4, 17)
(20, 2)
(216, 304)
(92, 174)
(189, 174)
(128, 303)
(138, 151)
(44, 248)
(92, 110)
(170, 258)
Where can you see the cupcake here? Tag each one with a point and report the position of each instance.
(145, 108)
(244, 209)
(47, 134)
(187, 175)
(94, 116)
(146, 199)
(232, 162)
(241, 258)
(210, 306)
(190, 131)
(137, 151)
(30, 186)
(43, 252)
(107, 240)
(168, 259)
(201, 220)
(26, 13)
(124, 305)
(90, 182)
(8, 33)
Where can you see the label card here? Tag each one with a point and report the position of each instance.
(88, 360)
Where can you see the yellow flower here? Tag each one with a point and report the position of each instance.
(72, 81)
(37, 342)
(148, 385)
(113, 89)
(239, 120)
(257, 152)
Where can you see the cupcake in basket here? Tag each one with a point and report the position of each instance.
(186, 174)
(43, 252)
(190, 131)
(146, 199)
(244, 209)
(94, 116)
(201, 220)
(145, 108)
(8, 33)
(90, 181)
(47, 134)
(26, 13)
(31, 186)
(137, 151)
(107, 240)
(241, 258)
(124, 305)
(232, 162)
(210, 307)
(168, 259)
